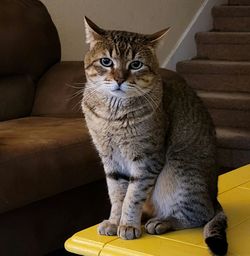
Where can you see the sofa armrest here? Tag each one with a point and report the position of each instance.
(58, 92)
(16, 96)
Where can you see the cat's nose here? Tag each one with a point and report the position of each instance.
(120, 81)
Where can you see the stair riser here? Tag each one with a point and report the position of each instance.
(232, 24)
(228, 137)
(232, 158)
(225, 103)
(231, 52)
(218, 82)
(231, 118)
(239, 2)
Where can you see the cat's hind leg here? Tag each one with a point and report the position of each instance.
(179, 201)
(158, 226)
(181, 220)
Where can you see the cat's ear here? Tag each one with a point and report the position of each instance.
(93, 32)
(155, 38)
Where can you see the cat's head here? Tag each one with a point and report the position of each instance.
(119, 63)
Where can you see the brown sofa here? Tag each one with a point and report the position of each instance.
(51, 179)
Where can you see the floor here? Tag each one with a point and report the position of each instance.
(60, 252)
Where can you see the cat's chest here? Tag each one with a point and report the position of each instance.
(119, 145)
(125, 138)
(116, 131)
(114, 141)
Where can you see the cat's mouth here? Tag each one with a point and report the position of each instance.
(118, 89)
(118, 92)
(122, 91)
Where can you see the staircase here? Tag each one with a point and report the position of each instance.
(220, 74)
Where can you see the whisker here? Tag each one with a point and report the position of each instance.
(80, 83)
(153, 101)
(150, 101)
(75, 94)
(79, 92)
(89, 94)
(85, 98)
(77, 106)
(75, 87)
(150, 97)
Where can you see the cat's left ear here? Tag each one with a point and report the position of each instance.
(93, 32)
(155, 38)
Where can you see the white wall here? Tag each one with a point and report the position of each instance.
(185, 47)
(143, 16)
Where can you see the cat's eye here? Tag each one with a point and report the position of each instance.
(135, 65)
(106, 62)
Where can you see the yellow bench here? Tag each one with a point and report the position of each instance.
(234, 195)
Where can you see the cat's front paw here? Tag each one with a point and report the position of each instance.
(128, 232)
(107, 228)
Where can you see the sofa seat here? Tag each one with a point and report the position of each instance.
(43, 156)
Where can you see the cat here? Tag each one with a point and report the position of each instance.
(155, 138)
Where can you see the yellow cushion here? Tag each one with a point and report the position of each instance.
(234, 195)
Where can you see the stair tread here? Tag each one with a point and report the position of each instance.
(223, 37)
(238, 138)
(225, 100)
(200, 66)
(231, 11)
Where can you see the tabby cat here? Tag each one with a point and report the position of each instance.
(155, 139)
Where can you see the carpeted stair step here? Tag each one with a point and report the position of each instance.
(231, 118)
(228, 109)
(239, 2)
(220, 74)
(228, 137)
(231, 18)
(233, 46)
(226, 100)
(233, 146)
(216, 75)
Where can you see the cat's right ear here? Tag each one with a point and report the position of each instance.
(93, 32)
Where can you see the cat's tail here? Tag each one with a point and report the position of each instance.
(215, 232)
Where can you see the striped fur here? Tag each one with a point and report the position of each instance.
(157, 143)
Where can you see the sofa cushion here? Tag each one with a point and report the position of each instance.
(40, 157)
(16, 96)
(29, 40)
(59, 91)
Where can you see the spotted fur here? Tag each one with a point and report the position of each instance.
(157, 143)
